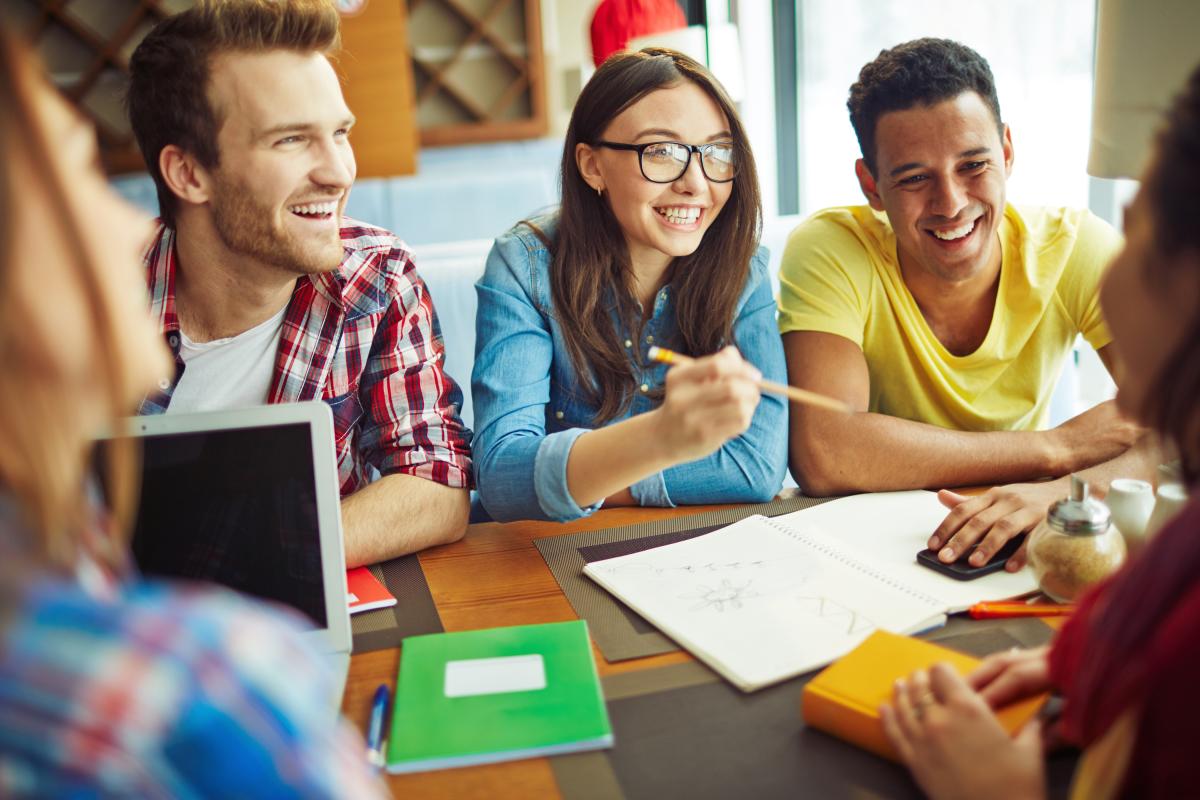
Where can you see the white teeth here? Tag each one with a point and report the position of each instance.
(955, 233)
(315, 208)
(680, 215)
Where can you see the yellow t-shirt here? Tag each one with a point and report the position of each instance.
(840, 275)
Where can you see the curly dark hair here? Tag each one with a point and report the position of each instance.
(1170, 187)
(920, 72)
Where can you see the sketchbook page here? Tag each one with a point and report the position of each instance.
(759, 605)
(886, 530)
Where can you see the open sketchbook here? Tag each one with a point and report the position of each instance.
(765, 599)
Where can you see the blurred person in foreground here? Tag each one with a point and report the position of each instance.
(111, 686)
(1125, 662)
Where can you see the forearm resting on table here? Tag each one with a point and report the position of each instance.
(605, 462)
(1140, 461)
(400, 514)
(868, 452)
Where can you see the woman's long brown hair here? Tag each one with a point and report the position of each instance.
(44, 455)
(591, 276)
(1170, 185)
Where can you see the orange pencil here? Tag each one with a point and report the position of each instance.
(665, 356)
(1006, 610)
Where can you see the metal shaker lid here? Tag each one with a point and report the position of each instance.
(1079, 514)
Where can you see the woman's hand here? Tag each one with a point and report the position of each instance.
(1011, 676)
(954, 745)
(708, 401)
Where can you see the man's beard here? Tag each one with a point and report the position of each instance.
(248, 228)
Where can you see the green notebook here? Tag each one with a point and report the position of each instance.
(500, 694)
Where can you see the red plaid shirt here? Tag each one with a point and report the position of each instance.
(363, 338)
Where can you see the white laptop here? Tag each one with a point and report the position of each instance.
(249, 499)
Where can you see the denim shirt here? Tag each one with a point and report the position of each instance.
(529, 409)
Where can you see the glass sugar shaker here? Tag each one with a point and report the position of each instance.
(1075, 546)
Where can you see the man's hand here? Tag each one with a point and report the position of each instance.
(1097, 435)
(992, 519)
(954, 744)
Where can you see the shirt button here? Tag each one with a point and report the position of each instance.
(558, 415)
(173, 340)
(649, 340)
(164, 384)
(645, 388)
(629, 343)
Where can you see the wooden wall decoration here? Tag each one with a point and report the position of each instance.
(86, 46)
(478, 70)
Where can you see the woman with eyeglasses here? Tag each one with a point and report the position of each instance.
(655, 244)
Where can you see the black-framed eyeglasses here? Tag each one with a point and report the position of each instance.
(665, 162)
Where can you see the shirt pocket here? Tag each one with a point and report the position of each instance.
(347, 411)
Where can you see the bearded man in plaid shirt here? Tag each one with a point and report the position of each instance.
(266, 293)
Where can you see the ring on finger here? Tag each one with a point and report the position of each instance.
(921, 703)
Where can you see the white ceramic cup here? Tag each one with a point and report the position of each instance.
(1131, 502)
(1172, 497)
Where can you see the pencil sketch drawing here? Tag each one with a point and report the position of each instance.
(724, 596)
(704, 568)
(824, 608)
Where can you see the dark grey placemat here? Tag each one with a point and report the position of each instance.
(615, 628)
(413, 614)
(681, 731)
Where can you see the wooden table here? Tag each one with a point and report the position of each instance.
(493, 577)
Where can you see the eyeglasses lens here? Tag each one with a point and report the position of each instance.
(718, 163)
(667, 161)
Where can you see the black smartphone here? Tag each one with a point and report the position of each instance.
(961, 569)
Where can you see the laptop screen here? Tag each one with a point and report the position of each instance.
(234, 506)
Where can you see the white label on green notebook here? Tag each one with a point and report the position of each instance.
(495, 675)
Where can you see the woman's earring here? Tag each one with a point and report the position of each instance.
(599, 192)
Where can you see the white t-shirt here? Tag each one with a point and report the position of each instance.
(228, 373)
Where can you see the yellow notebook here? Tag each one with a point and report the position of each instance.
(844, 698)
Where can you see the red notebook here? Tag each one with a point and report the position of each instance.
(365, 592)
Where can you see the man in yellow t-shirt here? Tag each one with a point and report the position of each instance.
(943, 315)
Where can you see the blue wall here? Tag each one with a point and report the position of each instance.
(458, 193)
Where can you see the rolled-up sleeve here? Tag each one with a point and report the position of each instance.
(411, 423)
(520, 470)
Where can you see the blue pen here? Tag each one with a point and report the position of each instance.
(375, 729)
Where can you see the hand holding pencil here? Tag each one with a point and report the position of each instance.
(796, 395)
(707, 402)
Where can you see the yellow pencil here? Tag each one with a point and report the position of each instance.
(665, 356)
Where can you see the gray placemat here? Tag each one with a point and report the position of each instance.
(616, 629)
(681, 731)
(413, 614)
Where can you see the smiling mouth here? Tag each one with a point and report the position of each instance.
(680, 215)
(954, 234)
(316, 211)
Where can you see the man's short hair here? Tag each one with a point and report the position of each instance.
(168, 88)
(921, 72)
